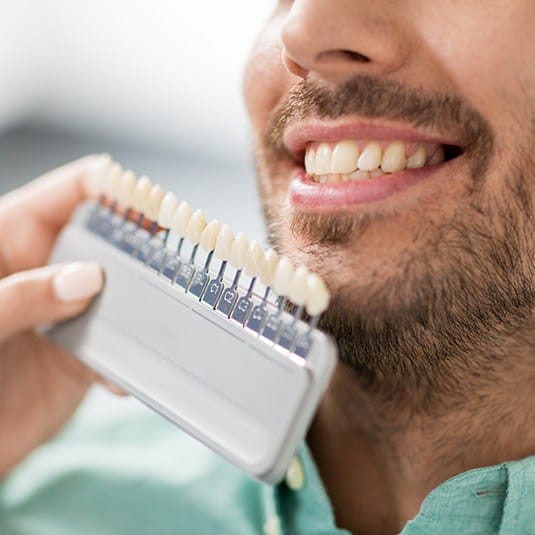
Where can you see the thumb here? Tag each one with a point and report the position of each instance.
(46, 295)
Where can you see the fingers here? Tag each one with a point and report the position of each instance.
(46, 295)
(52, 198)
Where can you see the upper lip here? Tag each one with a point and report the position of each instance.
(298, 136)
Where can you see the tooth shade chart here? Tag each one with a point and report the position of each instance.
(298, 285)
(356, 160)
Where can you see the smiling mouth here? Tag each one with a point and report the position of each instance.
(357, 160)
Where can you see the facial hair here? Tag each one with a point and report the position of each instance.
(436, 323)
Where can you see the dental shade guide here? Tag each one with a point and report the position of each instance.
(205, 341)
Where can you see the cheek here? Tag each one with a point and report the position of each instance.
(265, 79)
(487, 55)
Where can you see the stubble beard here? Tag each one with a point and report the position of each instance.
(434, 327)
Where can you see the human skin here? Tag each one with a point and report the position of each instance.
(433, 287)
(40, 384)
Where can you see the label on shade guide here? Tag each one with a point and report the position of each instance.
(242, 309)
(213, 291)
(258, 316)
(199, 282)
(226, 303)
(184, 275)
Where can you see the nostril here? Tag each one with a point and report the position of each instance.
(356, 56)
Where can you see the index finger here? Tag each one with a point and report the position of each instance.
(51, 198)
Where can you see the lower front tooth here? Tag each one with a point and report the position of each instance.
(377, 173)
(359, 175)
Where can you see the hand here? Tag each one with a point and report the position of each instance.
(40, 384)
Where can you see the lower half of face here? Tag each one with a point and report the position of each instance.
(430, 267)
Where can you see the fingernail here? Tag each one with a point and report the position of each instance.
(78, 281)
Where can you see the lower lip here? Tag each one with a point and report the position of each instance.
(309, 195)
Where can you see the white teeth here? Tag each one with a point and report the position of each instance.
(341, 162)
(359, 175)
(142, 191)
(394, 159)
(167, 210)
(302, 288)
(181, 218)
(238, 253)
(438, 157)
(417, 159)
(126, 190)
(377, 173)
(323, 159)
(299, 291)
(370, 159)
(195, 227)
(344, 158)
(283, 276)
(255, 257)
(113, 179)
(209, 235)
(269, 264)
(310, 161)
(223, 246)
(317, 295)
(153, 203)
(95, 183)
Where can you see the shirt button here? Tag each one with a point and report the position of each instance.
(295, 477)
(272, 526)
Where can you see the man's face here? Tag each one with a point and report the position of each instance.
(432, 260)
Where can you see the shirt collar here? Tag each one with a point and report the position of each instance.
(497, 499)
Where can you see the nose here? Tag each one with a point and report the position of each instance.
(337, 39)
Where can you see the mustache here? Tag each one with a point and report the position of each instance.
(371, 98)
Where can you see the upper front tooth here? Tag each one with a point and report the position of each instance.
(283, 276)
(209, 235)
(310, 161)
(438, 157)
(394, 158)
(238, 254)
(255, 257)
(370, 159)
(323, 160)
(181, 219)
(417, 159)
(153, 203)
(195, 227)
(142, 191)
(268, 267)
(223, 246)
(167, 210)
(344, 157)
(127, 187)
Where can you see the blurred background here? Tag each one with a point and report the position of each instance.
(157, 84)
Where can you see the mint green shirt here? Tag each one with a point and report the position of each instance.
(126, 471)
